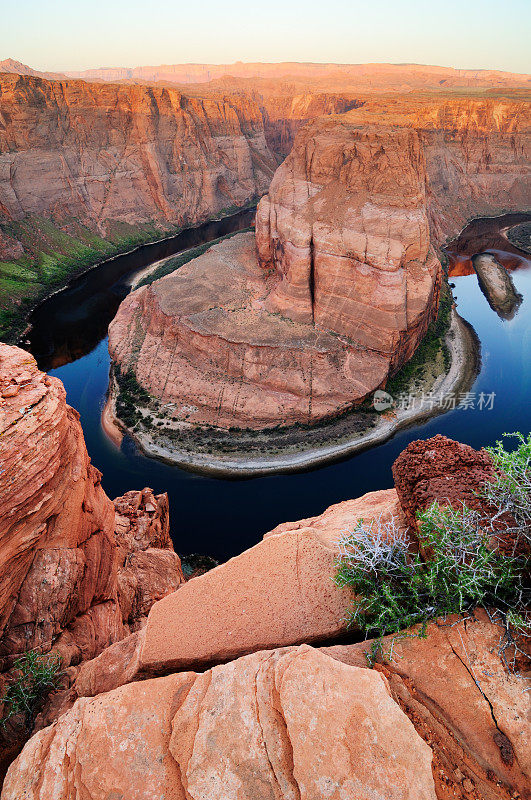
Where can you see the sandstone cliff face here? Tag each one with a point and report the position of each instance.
(57, 562)
(74, 574)
(103, 154)
(344, 230)
(349, 277)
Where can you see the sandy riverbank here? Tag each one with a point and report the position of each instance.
(463, 347)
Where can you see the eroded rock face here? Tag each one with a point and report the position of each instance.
(322, 319)
(148, 567)
(443, 470)
(347, 280)
(240, 731)
(71, 575)
(135, 154)
(57, 551)
(77, 572)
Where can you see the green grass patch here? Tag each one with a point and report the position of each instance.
(433, 343)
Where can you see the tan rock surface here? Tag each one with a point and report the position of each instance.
(278, 592)
(270, 726)
(475, 715)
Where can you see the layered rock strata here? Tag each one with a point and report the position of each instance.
(346, 279)
(107, 154)
(239, 731)
(76, 571)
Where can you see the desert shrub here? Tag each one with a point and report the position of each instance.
(510, 492)
(36, 676)
(396, 588)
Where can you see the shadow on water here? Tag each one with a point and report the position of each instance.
(221, 517)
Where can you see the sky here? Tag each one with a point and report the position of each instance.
(78, 34)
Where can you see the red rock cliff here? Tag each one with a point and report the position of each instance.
(104, 154)
(347, 278)
(74, 573)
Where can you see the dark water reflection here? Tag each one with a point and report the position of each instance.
(223, 517)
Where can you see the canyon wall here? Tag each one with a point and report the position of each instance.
(345, 278)
(109, 153)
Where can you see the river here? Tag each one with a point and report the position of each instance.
(223, 517)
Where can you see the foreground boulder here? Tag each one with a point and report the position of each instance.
(443, 470)
(279, 592)
(275, 725)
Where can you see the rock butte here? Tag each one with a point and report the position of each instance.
(341, 282)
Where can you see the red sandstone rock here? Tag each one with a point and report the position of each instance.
(273, 725)
(278, 592)
(349, 280)
(475, 715)
(148, 566)
(443, 470)
(68, 579)
(110, 154)
(63, 571)
(57, 550)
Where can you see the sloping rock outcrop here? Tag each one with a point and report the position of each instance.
(497, 286)
(473, 713)
(278, 592)
(239, 731)
(347, 279)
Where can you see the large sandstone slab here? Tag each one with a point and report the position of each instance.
(275, 725)
(279, 592)
(475, 714)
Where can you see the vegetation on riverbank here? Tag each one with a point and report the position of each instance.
(158, 433)
(55, 255)
(433, 349)
(52, 257)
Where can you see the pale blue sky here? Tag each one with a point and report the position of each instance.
(55, 35)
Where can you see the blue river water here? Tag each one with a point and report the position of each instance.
(222, 517)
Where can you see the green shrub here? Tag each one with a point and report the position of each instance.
(37, 675)
(396, 588)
